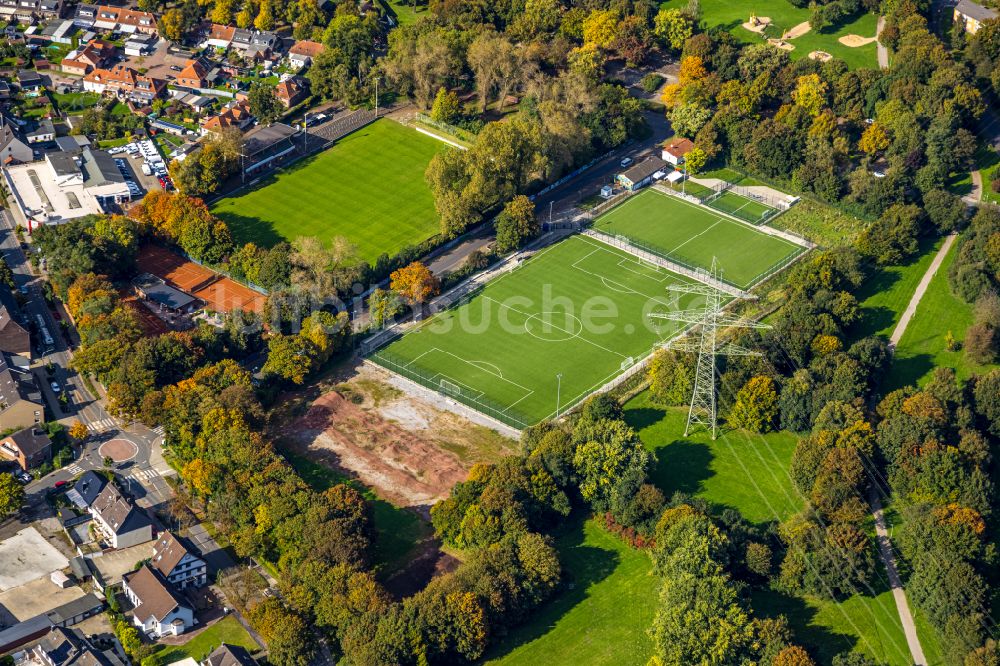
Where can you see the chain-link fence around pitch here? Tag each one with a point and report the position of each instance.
(750, 207)
(446, 386)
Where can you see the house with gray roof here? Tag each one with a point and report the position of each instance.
(973, 15)
(14, 147)
(21, 404)
(119, 521)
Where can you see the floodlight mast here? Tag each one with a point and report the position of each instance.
(703, 409)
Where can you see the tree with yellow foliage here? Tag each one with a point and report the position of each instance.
(875, 139)
(810, 93)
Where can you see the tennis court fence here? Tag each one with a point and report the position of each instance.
(452, 389)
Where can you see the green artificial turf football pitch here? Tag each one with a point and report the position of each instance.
(368, 187)
(578, 309)
(693, 235)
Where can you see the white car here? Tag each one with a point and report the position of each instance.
(55, 387)
(626, 162)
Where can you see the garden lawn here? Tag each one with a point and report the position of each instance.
(739, 470)
(693, 235)
(227, 630)
(398, 530)
(601, 619)
(731, 14)
(369, 188)
(885, 295)
(922, 347)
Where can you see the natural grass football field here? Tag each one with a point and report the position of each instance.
(692, 235)
(577, 309)
(368, 187)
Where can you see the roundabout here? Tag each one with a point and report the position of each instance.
(119, 450)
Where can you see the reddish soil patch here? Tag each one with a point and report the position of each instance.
(118, 450)
(405, 468)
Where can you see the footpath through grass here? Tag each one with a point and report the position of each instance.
(368, 188)
(692, 235)
(885, 295)
(922, 347)
(749, 473)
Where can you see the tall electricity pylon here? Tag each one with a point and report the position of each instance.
(710, 318)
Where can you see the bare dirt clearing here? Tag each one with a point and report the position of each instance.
(408, 451)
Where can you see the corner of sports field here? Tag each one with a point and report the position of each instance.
(694, 235)
(368, 187)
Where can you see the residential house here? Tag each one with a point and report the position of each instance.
(21, 404)
(255, 44)
(675, 150)
(141, 44)
(43, 132)
(303, 52)
(14, 147)
(28, 10)
(29, 447)
(193, 75)
(973, 15)
(220, 36)
(115, 19)
(641, 174)
(291, 91)
(67, 647)
(237, 115)
(177, 561)
(120, 522)
(29, 81)
(229, 655)
(5, 90)
(14, 337)
(159, 611)
(86, 490)
(125, 82)
(60, 32)
(97, 54)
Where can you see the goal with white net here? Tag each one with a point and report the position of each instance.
(450, 388)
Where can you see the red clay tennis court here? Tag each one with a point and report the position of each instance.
(217, 291)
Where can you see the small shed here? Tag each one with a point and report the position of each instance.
(59, 579)
(607, 192)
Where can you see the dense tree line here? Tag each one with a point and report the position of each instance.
(825, 129)
(975, 278)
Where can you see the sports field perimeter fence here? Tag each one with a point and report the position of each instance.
(774, 204)
(446, 386)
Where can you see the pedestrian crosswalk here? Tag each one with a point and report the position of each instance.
(102, 425)
(74, 469)
(143, 475)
